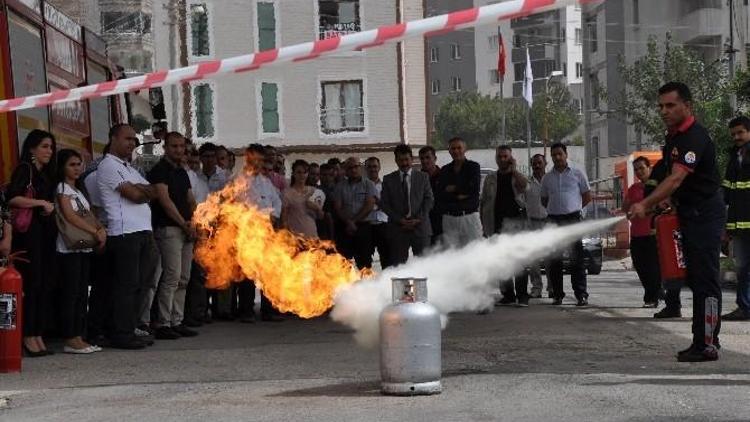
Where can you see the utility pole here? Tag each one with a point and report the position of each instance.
(731, 51)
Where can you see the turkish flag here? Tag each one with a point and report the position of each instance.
(501, 57)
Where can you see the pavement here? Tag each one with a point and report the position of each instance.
(609, 362)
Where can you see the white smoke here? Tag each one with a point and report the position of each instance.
(459, 280)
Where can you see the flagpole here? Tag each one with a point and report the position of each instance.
(528, 136)
(502, 103)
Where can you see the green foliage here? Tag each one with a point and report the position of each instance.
(475, 118)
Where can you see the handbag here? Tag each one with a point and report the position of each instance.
(74, 237)
(21, 217)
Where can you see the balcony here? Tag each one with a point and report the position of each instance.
(701, 24)
(536, 52)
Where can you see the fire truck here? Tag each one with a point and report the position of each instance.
(43, 50)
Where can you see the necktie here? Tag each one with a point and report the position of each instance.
(405, 187)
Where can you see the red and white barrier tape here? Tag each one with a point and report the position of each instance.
(296, 53)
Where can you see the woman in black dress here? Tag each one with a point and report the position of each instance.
(36, 171)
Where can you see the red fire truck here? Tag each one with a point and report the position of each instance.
(43, 50)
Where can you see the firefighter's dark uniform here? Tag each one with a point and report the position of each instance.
(737, 196)
(702, 215)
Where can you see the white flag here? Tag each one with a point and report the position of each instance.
(528, 81)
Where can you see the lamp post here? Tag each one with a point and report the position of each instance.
(554, 74)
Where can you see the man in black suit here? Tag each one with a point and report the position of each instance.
(407, 200)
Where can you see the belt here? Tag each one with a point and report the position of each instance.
(459, 213)
(572, 216)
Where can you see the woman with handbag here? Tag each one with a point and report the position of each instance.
(30, 198)
(79, 233)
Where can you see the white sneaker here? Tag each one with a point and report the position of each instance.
(84, 351)
(141, 333)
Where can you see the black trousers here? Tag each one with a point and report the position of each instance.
(357, 246)
(517, 288)
(196, 295)
(400, 241)
(577, 270)
(133, 262)
(38, 274)
(646, 262)
(99, 317)
(246, 294)
(75, 271)
(702, 225)
(380, 242)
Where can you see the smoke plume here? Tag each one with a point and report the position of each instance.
(459, 280)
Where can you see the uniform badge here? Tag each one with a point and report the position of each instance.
(690, 157)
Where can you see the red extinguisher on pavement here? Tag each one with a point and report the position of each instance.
(671, 256)
(11, 304)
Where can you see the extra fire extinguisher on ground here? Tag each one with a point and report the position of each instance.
(669, 245)
(11, 301)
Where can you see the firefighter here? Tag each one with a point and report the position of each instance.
(737, 197)
(694, 186)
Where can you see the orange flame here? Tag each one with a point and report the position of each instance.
(297, 274)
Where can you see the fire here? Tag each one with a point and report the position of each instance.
(297, 274)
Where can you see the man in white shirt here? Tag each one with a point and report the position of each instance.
(537, 215)
(125, 195)
(261, 193)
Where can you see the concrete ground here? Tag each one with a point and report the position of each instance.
(611, 361)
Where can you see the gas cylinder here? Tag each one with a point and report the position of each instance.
(669, 244)
(11, 299)
(410, 362)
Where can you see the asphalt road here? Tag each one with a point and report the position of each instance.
(610, 361)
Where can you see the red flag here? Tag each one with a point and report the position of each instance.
(501, 57)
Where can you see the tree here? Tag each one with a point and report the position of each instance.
(474, 117)
(709, 83)
(555, 109)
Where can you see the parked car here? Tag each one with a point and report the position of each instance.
(593, 250)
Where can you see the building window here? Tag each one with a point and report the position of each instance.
(637, 12)
(434, 122)
(456, 51)
(494, 42)
(341, 108)
(266, 26)
(517, 41)
(456, 83)
(579, 36)
(435, 86)
(125, 23)
(593, 39)
(595, 91)
(199, 30)
(203, 110)
(494, 77)
(434, 55)
(338, 17)
(269, 95)
(579, 70)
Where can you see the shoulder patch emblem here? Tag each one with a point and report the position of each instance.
(690, 157)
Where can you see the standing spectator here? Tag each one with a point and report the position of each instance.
(642, 240)
(457, 196)
(737, 196)
(339, 170)
(407, 200)
(327, 185)
(31, 188)
(353, 200)
(537, 217)
(277, 169)
(223, 160)
(75, 264)
(299, 211)
(693, 182)
(264, 196)
(125, 196)
(428, 161)
(377, 217)
(504, 211)
(172, 211)
(313, 175)
(565, 192)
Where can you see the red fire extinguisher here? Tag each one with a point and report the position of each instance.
(11, 301)
(669, 245)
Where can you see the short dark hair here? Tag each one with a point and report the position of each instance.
(680, 88)
(207, 147)
(455, 139)
(326, 167)
(314, 165)
(504, 148)
(373, 159)
(427, 150)
(173, 135)
(253, 148)
(642, 159)
(402, 149)
(539, 155)
(334, 161)
(740, 121)
(115, 130)
(559, 145)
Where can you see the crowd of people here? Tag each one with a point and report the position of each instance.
(114, 246)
